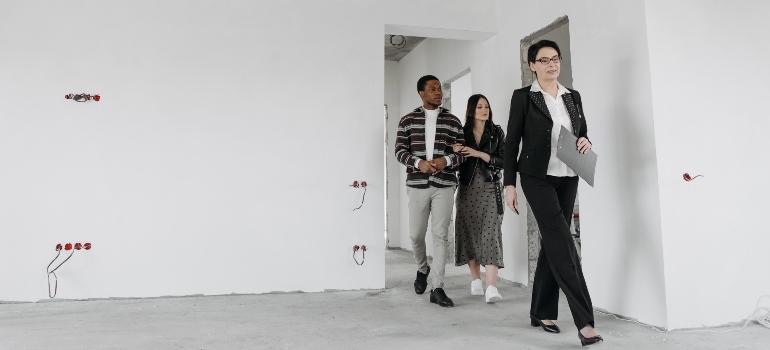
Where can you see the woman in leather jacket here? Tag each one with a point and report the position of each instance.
(478, 235)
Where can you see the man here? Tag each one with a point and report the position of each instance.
(424, 144)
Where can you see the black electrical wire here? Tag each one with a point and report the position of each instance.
(363, 256)
(53, 272)
(362, 200)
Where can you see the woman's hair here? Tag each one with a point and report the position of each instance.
(470, 114)
(535, 48)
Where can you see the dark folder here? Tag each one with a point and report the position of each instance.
(583, 164)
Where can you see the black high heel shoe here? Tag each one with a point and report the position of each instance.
(548, 328)
(589, 341)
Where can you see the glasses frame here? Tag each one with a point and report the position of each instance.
(547, 60)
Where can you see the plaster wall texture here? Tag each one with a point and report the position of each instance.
(709, 84)
(219, 158)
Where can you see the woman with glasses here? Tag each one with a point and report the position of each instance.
(478, 238)
(538, 113)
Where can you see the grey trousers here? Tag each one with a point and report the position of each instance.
(434, 203)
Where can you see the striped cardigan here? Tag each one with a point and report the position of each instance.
(410, 145)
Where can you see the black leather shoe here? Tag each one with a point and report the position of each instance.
(421, 282)
(437, 296)
(589, 341)
(548, 328)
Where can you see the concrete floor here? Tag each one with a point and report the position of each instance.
(394, 318)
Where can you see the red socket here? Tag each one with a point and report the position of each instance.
(363, 183)
(87, 246)
(78, 246)
(68, 246)
(97, 98)
(356, 248)
(687, 177)
(59, 247)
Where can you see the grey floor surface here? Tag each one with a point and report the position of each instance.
(394, 318)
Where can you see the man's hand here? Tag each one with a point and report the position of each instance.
(438, 164)
(511, 198)
(426, 167)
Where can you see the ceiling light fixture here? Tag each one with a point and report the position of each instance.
(401, 43)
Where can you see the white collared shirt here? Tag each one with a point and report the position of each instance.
(431, 119)
(560, 118)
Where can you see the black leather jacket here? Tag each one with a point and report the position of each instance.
(494, 145)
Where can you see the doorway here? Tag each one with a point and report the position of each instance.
(558, 31)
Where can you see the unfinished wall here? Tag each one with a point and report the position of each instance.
(709, 86)
(219, 158)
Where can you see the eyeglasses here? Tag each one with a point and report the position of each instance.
(546, 60)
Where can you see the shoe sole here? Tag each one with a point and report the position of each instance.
(494, 299)
(437, 303)
(477, 293)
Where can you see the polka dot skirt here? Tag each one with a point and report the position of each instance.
(477, 225)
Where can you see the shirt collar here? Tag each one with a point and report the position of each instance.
(424, 111)
(562, 90)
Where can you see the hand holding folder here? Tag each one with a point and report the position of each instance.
(583, 164)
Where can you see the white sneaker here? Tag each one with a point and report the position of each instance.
(492, 295)
(476, 287)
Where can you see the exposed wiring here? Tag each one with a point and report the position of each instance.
(363, 254)
(760, 314)
(689, 178)
(53, 272)
(82, 97)
(362, 200)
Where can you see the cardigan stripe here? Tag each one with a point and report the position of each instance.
(410, 145)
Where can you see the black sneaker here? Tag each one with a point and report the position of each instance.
(421, 282)
(437, 296)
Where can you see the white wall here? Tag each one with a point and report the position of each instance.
(219, 158)
(394, 167)
(460, 92)
(709, 86)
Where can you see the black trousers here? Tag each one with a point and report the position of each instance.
(558, 266)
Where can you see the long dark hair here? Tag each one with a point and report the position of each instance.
(470, 115)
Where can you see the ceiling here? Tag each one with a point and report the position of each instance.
(400, 46)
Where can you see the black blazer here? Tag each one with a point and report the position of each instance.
(530, 123)
(493, 145)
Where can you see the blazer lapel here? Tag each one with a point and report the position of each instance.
(539, 100)
(574, 117)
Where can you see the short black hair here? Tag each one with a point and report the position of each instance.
(424, 80)
(535, 48)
